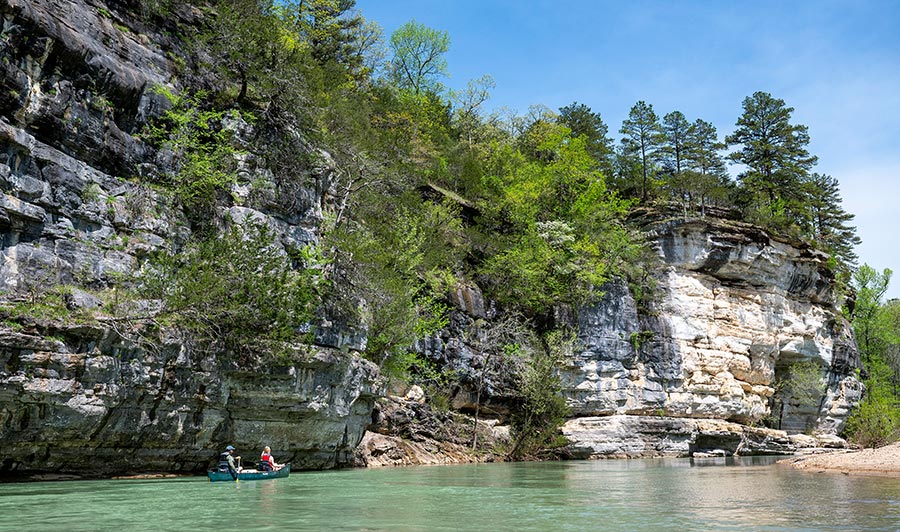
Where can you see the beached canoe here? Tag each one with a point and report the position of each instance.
(249, 474)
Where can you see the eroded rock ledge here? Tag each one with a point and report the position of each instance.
(734, 311)
(94, 404)
(407, 431)
(623, 436)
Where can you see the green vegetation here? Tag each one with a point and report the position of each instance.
(236, 292)
(418, 57)
(803, 384)
(535, 424)
(200, 140)
(877, 328)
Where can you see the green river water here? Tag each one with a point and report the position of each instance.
(633, 495)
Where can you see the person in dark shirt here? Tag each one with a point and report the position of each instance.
(226, 462)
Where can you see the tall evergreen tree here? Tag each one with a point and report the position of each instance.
(676, 130)
(643, 138)
(774, 152)
(710, 179)
(704, 153)
(583, 122)
(830, 222)
(330, 27)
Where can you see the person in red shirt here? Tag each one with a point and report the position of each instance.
(266, 462)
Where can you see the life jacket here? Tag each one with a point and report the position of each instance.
(265, 462)
(223, 462)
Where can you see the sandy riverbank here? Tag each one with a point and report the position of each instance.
(884, 461)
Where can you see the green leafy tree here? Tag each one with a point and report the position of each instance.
(877, 327)
(583, 122)
(643, 139)
(467, 111)
(243, 39)
(774, 152)
(203, 149)
(419, 60)
(869, 287)
(535, 424)
(395, 269)
(803, 386)
(563, 235)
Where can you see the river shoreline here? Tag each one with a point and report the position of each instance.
(883, 462)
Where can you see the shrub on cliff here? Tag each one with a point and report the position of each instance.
(535, 424)
(201, 143)
(237, 291)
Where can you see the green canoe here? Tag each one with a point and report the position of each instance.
(249, 474)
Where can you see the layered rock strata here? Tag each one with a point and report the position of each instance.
(734, 310)
(683, 372)
(89, 402)
(408, 431)
(78, 85)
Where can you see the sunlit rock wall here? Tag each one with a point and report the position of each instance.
(733, 310)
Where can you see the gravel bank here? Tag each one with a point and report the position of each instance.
(883, 461)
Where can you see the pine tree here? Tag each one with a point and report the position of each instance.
(676, 128)
(330, 27)
(703, 158)
(643, 138)
(774, 151)
(830, 222)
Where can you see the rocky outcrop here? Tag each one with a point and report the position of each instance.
(408, 431)
(625, 436)
(734, 310)
(90, 402)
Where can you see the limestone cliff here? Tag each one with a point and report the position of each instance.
(77, 85)
(734, 310)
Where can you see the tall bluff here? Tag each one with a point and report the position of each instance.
(734, 311)
(77, 82)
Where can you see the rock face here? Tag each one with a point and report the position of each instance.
(409, 432)
(92, 403)
(734, 312)
(75, 89)
(78, 85)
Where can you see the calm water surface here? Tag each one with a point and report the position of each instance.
(635, 495)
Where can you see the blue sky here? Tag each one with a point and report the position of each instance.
(836, 63)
